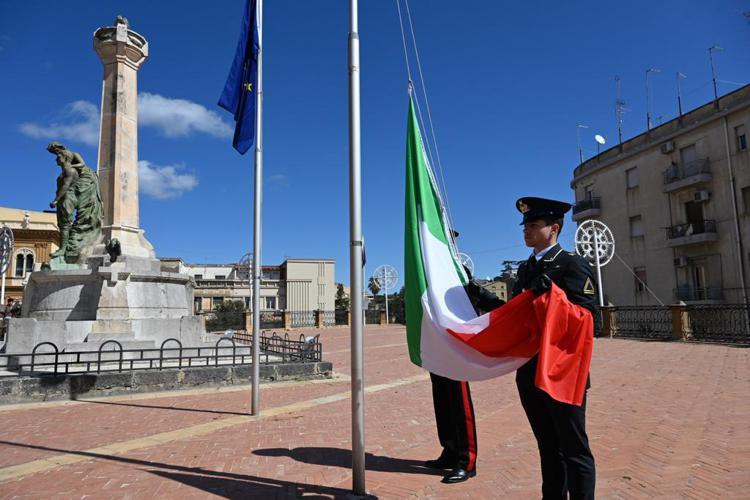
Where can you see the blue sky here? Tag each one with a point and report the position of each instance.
(508, 83)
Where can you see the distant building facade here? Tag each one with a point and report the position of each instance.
(677, 199)
(497, 286)
(36, 236)
(294, 285)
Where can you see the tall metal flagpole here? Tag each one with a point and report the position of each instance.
(258, 194)
(355, 259)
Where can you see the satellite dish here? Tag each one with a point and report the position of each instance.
(594, 237)
(467, 262)
(600, 139)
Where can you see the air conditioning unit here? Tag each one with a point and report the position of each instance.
(680, 261)
(702, 195)
(667, 147)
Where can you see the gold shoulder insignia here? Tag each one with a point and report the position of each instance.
(588, 287)
(571, 253)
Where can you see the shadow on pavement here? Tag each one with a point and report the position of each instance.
(157, 407)
(338, 457)
(224, 484)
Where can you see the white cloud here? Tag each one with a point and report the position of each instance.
(79, 121)
(164, 182)
(179, 117)
(278, 180)
(82, 126)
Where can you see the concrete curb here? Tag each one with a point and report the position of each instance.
(70, 387)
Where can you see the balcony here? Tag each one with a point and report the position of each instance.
(587, 208)
(691, 294)
(686, 175)
(692, 233)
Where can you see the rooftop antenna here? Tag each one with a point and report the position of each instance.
(713, 71)
(680, 76)
(648, 97)
(578, 135)
(619, 108)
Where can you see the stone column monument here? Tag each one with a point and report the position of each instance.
(114, 288)
(122, 52)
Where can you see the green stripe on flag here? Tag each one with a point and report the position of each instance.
(422, 205)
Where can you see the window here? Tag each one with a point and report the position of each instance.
(216, 301)
(746, 199)
(688, 154)
(270, 302)
(24, 263)
(740, 138)
(199, 276)
(640, 279)
(636, 226)
(197, 304)
(631, 176)
(221, 277)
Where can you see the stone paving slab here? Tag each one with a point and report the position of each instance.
(666, 420)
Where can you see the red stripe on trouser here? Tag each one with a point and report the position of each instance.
(470, 431)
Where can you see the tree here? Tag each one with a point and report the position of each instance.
(342, 299)
(227, 314)
(374, 286)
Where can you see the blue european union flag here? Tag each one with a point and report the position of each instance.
(239, 92)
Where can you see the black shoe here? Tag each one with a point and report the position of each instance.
(458, 475)
(440, 463)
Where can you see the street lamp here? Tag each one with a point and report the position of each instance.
(648, 97)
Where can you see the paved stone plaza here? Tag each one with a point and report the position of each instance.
(666, 420)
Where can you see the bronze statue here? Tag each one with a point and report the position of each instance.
(78, 203)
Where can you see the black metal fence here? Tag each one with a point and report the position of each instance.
(719, 323)
(722, 323)
(271, 319)
(644, 322)
(46, 359)
(303, 349)
(341, 317)
(372, 317)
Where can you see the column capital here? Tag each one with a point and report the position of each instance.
(119, 43)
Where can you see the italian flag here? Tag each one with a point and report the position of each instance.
(444, 333)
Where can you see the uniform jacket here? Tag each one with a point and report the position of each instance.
(567, 270)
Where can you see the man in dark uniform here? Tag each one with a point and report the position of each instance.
(454, 410)
(559, 428)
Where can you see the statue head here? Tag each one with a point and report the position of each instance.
(55, 147)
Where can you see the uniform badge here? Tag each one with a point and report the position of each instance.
(523, 207)
(588, 287)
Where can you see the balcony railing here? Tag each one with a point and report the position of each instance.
(689, 293)
(587, 204)
(682, 171)
(691, 228)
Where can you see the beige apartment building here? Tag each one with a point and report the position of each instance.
(677, 199)
(35, 237)
(296, 285)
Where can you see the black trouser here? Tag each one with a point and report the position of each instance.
(454, 414)
(560, 431)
